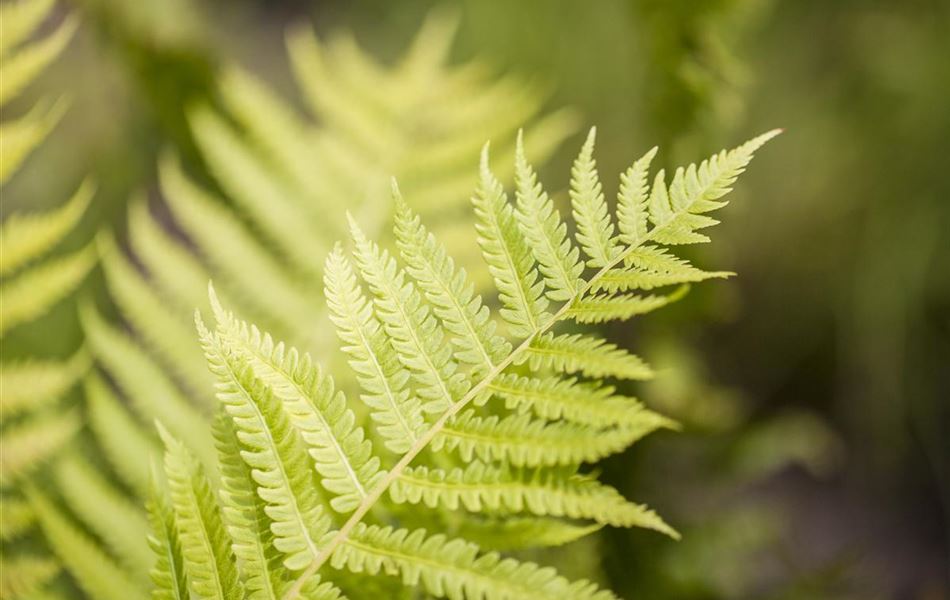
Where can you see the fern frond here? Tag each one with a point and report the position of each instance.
(168, 572)
(413, 330)
(519, 440)
(555, 398)
(454, 301)
(25, 237)
(245, 515)
(694, 191)
(595, 230)
(165, 330)
(541, 225)
(107, 512)
(632, 200)
(296, 234)
(92, 569)
(32, 442)
(126, 446)
(541, 492)
(507, 255)
(577, 353)
(607, 307)
(28, 61)
(453, 568)
(34, 292)
(20, 65)
(520, 533)
(206, 552)
(24, 575)
(18, 20)
(276, 452)
(151, 392)
(523, 441)
(19, 137)
(246, 266)
(343, 456)
(33, 384)
(398, 414)
(16, 518)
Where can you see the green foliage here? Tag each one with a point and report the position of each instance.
(303, 488)
(35, 423)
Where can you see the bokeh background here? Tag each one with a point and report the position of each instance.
(814, 389)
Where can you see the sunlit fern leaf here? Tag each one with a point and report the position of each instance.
(579, 353)
(410, 325)
(26, 237)
(595, 229)
(608, 307)
(151, 392)
(168, 571)
(541, 492)
(344, 457)
(396, 413)
(34, 292)
(507, 254)
(208, 560)
(276, 452)
(546, 234)
(510, 533)
(34, 384)
(453, 568)
(127, 447)
(16, 517)
(24, 575)
(523, 441)
(557, 398)
(107, 512)
(22, 62)
(94, 571)
(245, 515)
(166, 331)
(31, 442)
(288, 433)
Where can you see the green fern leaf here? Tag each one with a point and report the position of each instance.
(383, 379)
(576, 353)
(33, 293)
(595, 231)
(520, 533)
(93, 570)
(168, 572)
(453, 568)
(522, 441)
(25, 237)
(541, 225)
(343, 457)
(24, 576)
(541, 492)
(555, 398)
(32, 384)
(276, 452)
(412, 328)
(33, 441)
(208, 560)
(126, 446)
(452, 297)
(632, 200)
(606, 307)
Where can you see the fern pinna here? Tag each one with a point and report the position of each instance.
(478, 418)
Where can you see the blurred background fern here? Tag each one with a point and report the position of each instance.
(813, 390)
